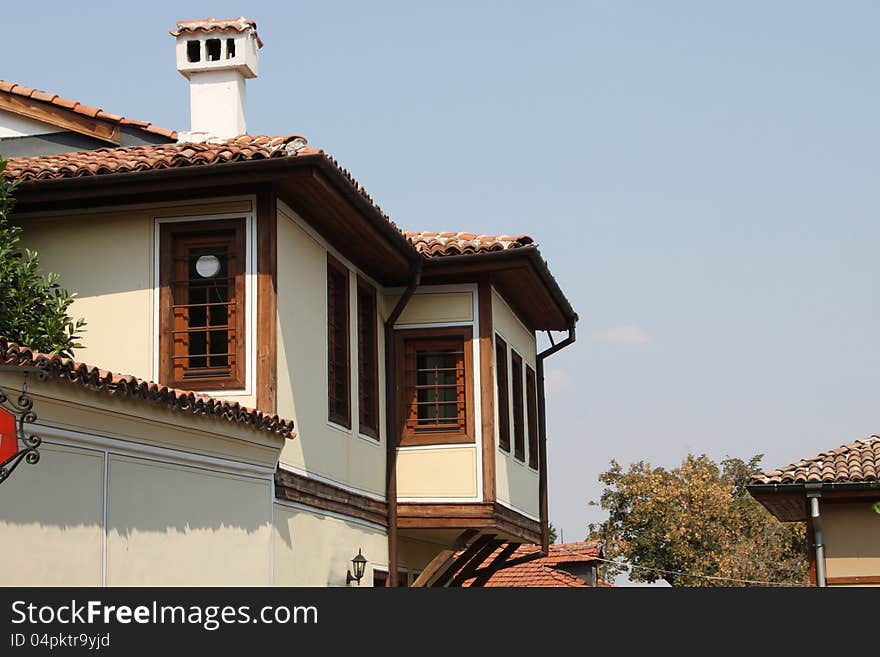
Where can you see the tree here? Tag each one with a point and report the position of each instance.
(551, 530)
(33, 308)
(699, 519)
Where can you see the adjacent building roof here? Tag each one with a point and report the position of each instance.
(858, 461)
(80, 108)
(240, 24)
(541, 571)
(184, 401)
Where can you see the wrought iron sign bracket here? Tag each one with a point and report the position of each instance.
(21, 409)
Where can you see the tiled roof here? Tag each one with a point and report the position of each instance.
(541, 571)
(240, 24)
(431, 244)
(104, 161)
(119, 385)
(85, 110)
(107, 161)
(856, 462)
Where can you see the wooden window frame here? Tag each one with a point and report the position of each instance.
(532, 415)
(502, 387)
(516, 387)
(334, 415)
(405, 337)
(368, 372)
(172, 234)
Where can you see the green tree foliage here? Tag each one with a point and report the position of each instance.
(33, 308)
(552, 532)
(697, 518)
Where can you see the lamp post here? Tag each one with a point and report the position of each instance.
(14, 414)
(359, 563)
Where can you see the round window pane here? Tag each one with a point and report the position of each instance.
(208, 266)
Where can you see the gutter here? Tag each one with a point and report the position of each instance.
(542, 433)
(391, 421)
(826, 486)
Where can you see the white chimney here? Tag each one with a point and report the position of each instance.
(217, 57)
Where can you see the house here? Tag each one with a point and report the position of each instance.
(836, 493)
(275, 377)
(488, 563)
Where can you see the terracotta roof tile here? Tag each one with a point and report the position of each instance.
(240, 24)
(541, 571)
(175, 399)
(105, 161)
(858, 461)
(432, 244)
(79, 108)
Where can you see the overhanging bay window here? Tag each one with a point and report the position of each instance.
(202, 305)
(435, 380)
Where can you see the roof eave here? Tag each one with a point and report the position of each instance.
(503, 258)
(59, 190)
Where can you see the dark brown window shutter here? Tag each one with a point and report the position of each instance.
(532, 410)
(519, 437)
(503, 392)
(338, 365)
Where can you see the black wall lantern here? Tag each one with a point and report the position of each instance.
(359, 564)
(15, 444)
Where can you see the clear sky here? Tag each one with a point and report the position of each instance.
(702, 178)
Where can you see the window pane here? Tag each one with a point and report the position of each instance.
(439, 389)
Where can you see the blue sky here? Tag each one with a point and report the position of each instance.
(702, 178)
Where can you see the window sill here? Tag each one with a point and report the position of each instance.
(436, 439)
(369, 439)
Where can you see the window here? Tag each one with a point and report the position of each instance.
(202, 305)
(532, 410)
(503, 394)
(519, 437)
(368, 361)
(338, 365)
(435, 379)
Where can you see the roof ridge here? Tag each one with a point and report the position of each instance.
(97, 379)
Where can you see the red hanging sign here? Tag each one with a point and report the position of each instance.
(8, 436)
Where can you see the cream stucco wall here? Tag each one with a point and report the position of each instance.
(516, 483)
(852, 539)
(432, 307)
(313, 548)
(445, 472)
(174, 525)
(107, 256)
(448, 472)
(51, 520)
(131, 493)
(329, 451)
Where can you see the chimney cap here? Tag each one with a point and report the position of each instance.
(210, 24)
